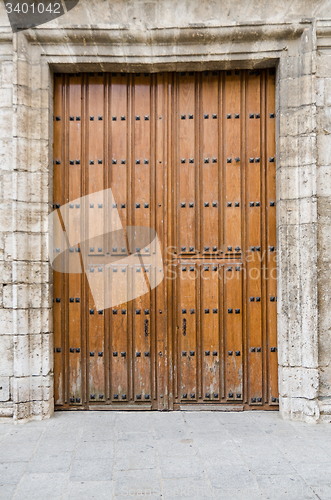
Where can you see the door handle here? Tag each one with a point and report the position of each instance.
(184, 326)
(146, 327)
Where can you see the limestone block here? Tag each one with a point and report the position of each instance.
(35, 77)
(300, 91)
(327, 91)
(6, 355)
(323, 149)
(323, 181)
(324, 120)
(325, 380)
(6, 409)
(26, 247)
(296, 151)
(36, 388)
(2, 245)
(46, 75)
(21, 95)
(35, 354)
(22, 130)
(21, 146)
(22, 410)
(307, 63)
(320, 85)
(39, 123)
(308, 210)
(307, 149)
(323, 66)
(325, 410)
(7, 187)
(22, 320)
(30, 272)
(47, 354)
(21, 389)
(6, 74)
(4, 389)
(297, 121)
(5, 272)
(21, 357)
(6, 321)
(299, 409)
(6, 222)
(23, 73)
(288, 150)
(6, 117)
(6, 98)
(40, 99)
(324, 243)
(41, 409)
(292, 67)
(48, 408)
(38, 156)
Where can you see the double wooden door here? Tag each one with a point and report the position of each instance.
(192, 156)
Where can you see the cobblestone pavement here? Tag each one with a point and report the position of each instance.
(152, 455)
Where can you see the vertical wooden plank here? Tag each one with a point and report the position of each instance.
(95, 354)
(232, 162)
(187, 331)
(160, 222)
(209, 162)
(74, 228)
(141, 334)
(119, 352)
(119, 158)
(186, 165)
(95, 155)
(233, 331)
(142, 152)
(211, 284)
(96, 224)
(142, 163)
(271, 275)
(172, 148)
(254, 251)
(58, 198)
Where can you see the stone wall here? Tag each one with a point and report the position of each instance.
(169, 35)
(6, 173)
(323, 129)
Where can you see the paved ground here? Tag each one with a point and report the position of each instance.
(179, 455)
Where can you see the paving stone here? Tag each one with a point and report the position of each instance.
(181, 467)
(41, 486)
(229, 477)
(92, 470)
(194, 488)
(7, 491)
(144, 483)
(12, 472)
(136, 460)
(291, 487)
(86, 490)
(52, 462)
(16, 452)
(87, 450)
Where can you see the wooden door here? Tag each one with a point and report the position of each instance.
(191, 156)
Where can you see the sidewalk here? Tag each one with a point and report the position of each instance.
(152, 455)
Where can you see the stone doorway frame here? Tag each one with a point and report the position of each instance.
(288, 47)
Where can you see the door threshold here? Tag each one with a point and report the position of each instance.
(120, 407)
(211, 407)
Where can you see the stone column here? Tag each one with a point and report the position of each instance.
(297, 231)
